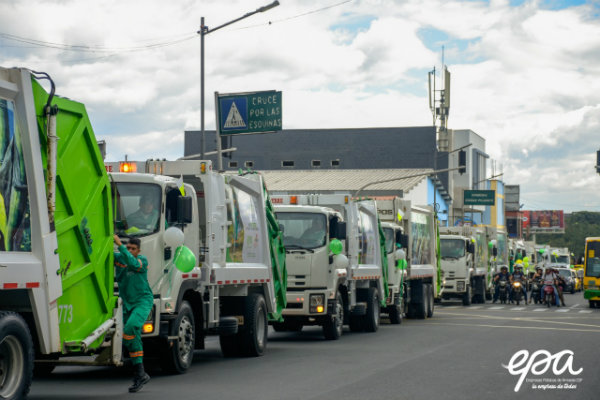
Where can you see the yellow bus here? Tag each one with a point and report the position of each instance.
(591, 277)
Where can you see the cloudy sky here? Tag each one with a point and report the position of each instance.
(524, 73)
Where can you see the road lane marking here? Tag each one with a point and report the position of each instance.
(544, 328)
(517, 309)
(497, 308)
(540, 309)
(528, 319)
(563, 310)
(575, 306)
(451, 306)
(585, 311)
(475, 307)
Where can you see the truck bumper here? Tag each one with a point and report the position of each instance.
(299, 303)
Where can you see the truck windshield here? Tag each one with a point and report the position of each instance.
(592, 259)
(303, 230)
(138, 208)
(561, 259)
(565, 273)
(452, 248)
(389, 240)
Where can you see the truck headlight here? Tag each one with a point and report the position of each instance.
(317, 303)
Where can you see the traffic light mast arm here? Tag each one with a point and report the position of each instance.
(439, 171)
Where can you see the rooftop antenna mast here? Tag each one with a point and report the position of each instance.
(439, 104)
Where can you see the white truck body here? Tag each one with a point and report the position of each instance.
(417, 224)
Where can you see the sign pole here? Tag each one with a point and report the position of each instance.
(218, 133)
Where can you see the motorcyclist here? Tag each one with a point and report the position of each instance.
(502, 275)
(550, 279)
(518, 275)
(537, 276)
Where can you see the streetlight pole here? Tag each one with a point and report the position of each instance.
(204, 30)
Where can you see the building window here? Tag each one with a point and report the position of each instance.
(233, 164)
(316, 163)
(287, 163)
(249, 164)
(335, 163)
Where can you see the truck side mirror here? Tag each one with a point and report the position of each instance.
(184, 210)
(337, 229)
(402, 239)
(471, 248)
(495, 251)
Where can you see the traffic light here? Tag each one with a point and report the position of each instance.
(462, 162)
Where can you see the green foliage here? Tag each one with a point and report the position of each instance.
(578, 226)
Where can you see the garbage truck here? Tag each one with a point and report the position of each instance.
(469, 262)
(416, 230)
(337, 268)
(57, 220)
(239, 283)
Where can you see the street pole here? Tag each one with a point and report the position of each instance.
(204, 30)
(203, 139)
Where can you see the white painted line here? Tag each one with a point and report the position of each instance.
(575, 306)
(451, 306)
(475, 307)
(585, 311)
(497, 308)
(563, 310)
(540, 309)
(517, 309)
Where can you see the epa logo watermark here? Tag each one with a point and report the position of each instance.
(561, 364)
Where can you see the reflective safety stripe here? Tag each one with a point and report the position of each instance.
(128, 337)
(136, 354)
(120, 265)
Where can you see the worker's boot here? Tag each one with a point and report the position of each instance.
(140, 378)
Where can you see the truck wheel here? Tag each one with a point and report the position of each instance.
(395, 311)
(16, 356)
(177, 358)
(430, 302)
(334, 326)
(373, 311)
(253, 334)
(467, 296)
(356, 323)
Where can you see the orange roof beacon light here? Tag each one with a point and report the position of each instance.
(294, 200)
(127, 167)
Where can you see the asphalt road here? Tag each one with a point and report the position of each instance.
(457, 354)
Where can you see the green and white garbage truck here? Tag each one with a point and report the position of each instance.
(336, 262)
(415, 229)
(57, 220)
(239, 282)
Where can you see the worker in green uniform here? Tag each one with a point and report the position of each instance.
(134, 290)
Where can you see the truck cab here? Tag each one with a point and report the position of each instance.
(396, 244)
(316, 276)
(458, 254)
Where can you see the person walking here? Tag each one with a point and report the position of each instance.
(134, 290)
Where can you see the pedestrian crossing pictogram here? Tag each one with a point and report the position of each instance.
(234, 118)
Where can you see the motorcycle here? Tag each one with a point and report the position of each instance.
(517, 292)
(536, 289)
(549, 297)
(503, 291)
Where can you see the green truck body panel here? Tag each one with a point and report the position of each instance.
(277, 251)
(83, 222)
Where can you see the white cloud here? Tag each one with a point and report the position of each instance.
(525, 77)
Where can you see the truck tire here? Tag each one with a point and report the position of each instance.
(467, 296)
(430, 302)
(418, 309)
(356, 323)
(16, 356)
(253, 334)
(395, 311)
(176, 359)
(373, 311)
(334, 326)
